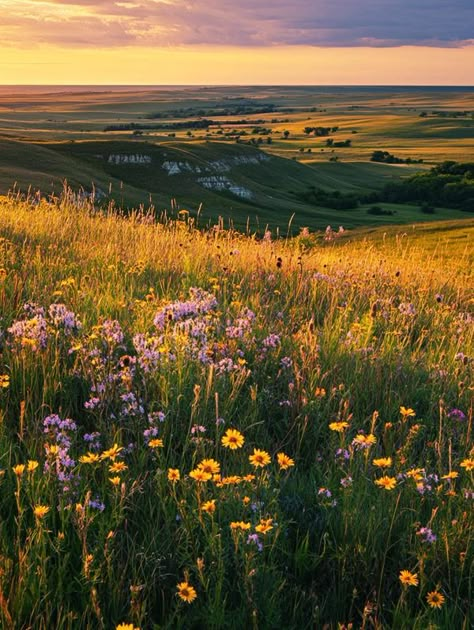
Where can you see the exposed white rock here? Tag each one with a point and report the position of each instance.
(216, 166)
(136, 158)
(222, 183)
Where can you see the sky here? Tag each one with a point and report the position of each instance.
(422, 42)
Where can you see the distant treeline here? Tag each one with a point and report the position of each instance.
(234, 110)
(320, 131)
(201, 123)
(449, 185)
(448, 114)
(388, 158)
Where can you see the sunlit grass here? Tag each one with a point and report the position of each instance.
(288, 446)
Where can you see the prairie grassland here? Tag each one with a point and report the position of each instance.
(206, 430)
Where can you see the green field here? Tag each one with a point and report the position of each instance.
(47, 137)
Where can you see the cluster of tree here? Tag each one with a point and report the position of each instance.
(339, 144)
(330, 199)
(202, 123)
(450, 185)
(320, 131)
(388, 158)
(234, 110)
(263, 131)
(448, 114)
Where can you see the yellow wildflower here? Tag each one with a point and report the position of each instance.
(19, 469)
(338, 426)
(32, 465)
(210, 466)
(259, 458)
(264, 526)
(232, 439)
(173, 474)
(284, 461)
(40, 511)
(117, 467)
(112, 453)
(209, 506)
(383, 462)
(388, 483)
(186, 592)
(240, 525)
(200, 475)
(407, 578)
(435, 599)
(155, 443)
(90, 458)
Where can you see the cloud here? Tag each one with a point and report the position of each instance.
(111, 23)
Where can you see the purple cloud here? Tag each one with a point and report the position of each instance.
(248, 23)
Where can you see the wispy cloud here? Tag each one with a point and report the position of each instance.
(112, 23)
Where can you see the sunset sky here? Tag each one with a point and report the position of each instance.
(237, 41)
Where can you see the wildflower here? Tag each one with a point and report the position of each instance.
(468, 464)
(383, 462)
(126, 626)
(284, 461)
(90, 458)
(427, 535)
(40, 511)
(118, 467)
(32, 465)
(186, 592)
(388, 483)
(4, 381)
(320, 392)
(264, 526)
(232, 439)
(248, 478)
(407, 413)
(338, 426)
(173, 474)
(451, 475)
(112, 453)
(114, 480)
(415, 473)
(239, 525)
(210, 466)
(407, 578)
(362, 441)
(209, 506)
(200, 475)
(155, 443)
(19, 469)
(229, 481)
(457, 414)
(435, 599)
(259, 459)
(254, 539)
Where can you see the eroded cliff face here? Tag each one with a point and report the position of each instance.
(211, 173)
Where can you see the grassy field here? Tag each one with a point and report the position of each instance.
(56, 134)
(202, 429)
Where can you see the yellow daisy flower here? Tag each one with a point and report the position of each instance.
(407, 578)
(186, 592)
(259, 458)
(232, 439)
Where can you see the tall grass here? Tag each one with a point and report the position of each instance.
(336, 353)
